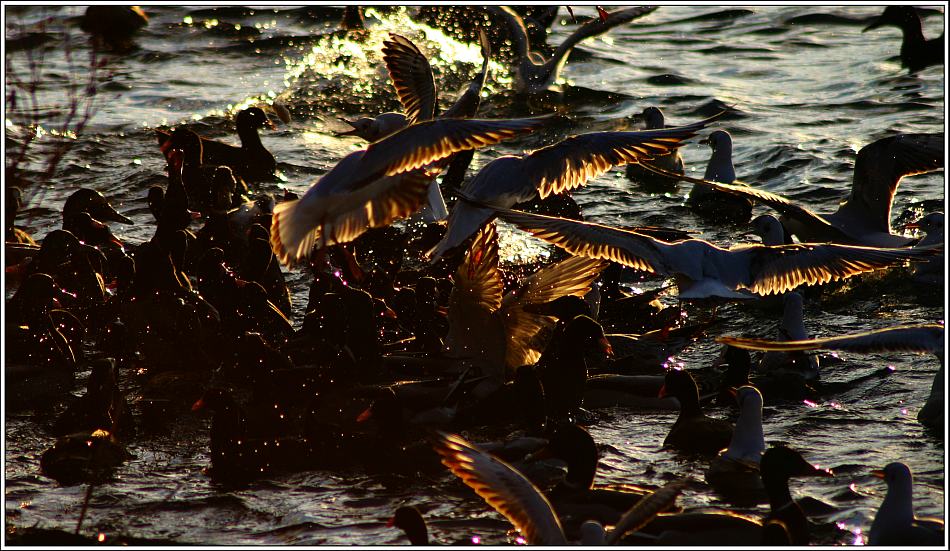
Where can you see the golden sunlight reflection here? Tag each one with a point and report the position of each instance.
(356, 62)
(335, 55)
(516, 247)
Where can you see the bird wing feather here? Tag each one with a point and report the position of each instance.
(504, 488)
(412, 78)
(776, 269)
(572, 276)
(879, 168)
(570, 163)
(913, 338)
(592, 240)
(595, 27)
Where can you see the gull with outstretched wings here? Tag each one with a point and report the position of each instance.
(704, 270)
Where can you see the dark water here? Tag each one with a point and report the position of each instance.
(809, 88)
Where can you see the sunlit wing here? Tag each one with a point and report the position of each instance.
(784, 267)
(645, 511)
(412, 78)
(300, 225)
(504, 488)
(572, 276)
(477, 279)
(925, 338)
(475, 333)
(780, 204)
(591, 240)
(570, 163)
(518, 34)
(425, 142)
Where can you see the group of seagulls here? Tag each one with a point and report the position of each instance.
(854, 239)
(517, 352)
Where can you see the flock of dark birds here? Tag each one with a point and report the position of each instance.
(393, 360)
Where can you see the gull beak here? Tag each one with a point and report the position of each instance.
(911, 226)
(200, 404)
(570, 11)
(603, 14)
(733, 391)
(348, 132)
(662, 393)
(878, 473)
(391, 522)
(704, 141)
(876, 24)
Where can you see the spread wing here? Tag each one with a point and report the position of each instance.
(568, 277)
(425, 142)
(645, 511)
(517, 31)
(878, 171)
(595, 27)
(781, 268)
(474, 332)
(912, 338)
(477, 279)
(504, 488)
(570, 163)
(412, 77)
(591, 240)
(323, 220)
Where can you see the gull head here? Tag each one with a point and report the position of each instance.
(364, 128)
(720, 140)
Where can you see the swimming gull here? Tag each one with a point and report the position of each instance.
(864, 217)
(931, 273)
(895, 523)
(770, 230)
(916, 51)
(720, 168)
(792, 328)
(673, 162)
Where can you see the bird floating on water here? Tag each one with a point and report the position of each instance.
(864, 218)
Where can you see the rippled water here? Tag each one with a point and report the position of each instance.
(809, 87)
